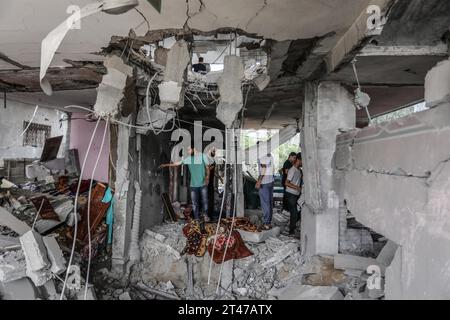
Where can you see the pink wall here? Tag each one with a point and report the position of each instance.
(80, 135)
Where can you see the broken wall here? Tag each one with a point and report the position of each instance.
(328, 107)
(80, 134)
(395, 179)
(12, 120)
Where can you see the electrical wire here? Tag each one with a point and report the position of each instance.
(233, 219)
(89, 208)
(75, 209)
(221, 210)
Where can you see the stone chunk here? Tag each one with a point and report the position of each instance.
(34, 249)
(55, 255)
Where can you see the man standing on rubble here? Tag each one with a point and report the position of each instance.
(293, 190)
(265, 185)
(198, 165)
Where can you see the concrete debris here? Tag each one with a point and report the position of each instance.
(63, 209)
(5, 184)
(125, 296)
(261, 236)
(158, 118)
(344, 261)
(12, 266)
(305, 292)
(170, 89)
(111, 90)
(231, 98)
(21, 289)
(387, 254)
(6, 242)
(55, 255)
(34, 250)
(10, 221)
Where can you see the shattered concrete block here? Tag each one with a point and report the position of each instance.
(21, 289)
(305, 292)
(111, 90)
(10, 221)
(55, 255)
(169, 94)
(231, 98)
(279, 256)
(12, 266)
(34, 250)
(345, 261)
(258, 237)
(387, 254)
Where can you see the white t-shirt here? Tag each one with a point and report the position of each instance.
(266, 160)
(294, 176)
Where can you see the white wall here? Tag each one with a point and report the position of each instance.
(11, 126)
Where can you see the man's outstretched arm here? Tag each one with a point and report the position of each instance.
(167, 165)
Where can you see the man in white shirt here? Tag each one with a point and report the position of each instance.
(265, 186)
(293, 191)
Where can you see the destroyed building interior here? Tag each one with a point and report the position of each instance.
(97, 96)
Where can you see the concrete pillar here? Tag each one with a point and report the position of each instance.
(121, 227)
(327, 108)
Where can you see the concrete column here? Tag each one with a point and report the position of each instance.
(121, 227)
(328, 107)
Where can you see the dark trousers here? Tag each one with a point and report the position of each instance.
(284, 207)
(199, 197)
(291, 203)
(266, 198)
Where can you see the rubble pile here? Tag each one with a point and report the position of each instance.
(36, 232)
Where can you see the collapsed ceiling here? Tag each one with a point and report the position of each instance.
(315, 47)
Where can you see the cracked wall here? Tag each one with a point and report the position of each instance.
(394, 177)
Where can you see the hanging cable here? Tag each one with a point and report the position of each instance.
(234, 214)
(221, 210)
(75, 209)
(359, 88)
(89, 208)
